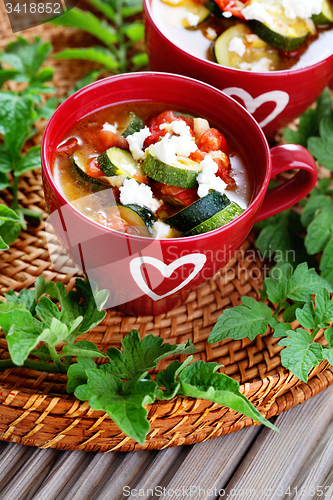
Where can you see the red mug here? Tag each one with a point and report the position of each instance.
(274, 98)
(148, 276)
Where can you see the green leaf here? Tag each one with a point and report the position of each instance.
(86, 21)
(47, 110)
(315, 204)
(322, 147)
(289, 314)
(328, 349)
(44, 75)
(281, 329)
(168, 379)
(9, 232)
(326, 263)
(277, 288)
(200, 380)
(26, 57)
(140, 356)
(139, 60)
(324, 308)
(16, 117)
(305, 282)
(24, 333)
(83, 348)
(29, 161)
(46, 310)
(134, 31)
(324, 104)
(308, 126)
(105, 8)
(42, 353)
(25, 298)
(319, 231)
(5, 159)
(3, 181)
(306, 316)
(100, 55)
(77, 373)
(301, 354)
(7, 74)
(131, 7)
(248, 320)
(7, 214)
(124, 403)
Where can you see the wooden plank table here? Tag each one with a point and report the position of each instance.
(252, 464)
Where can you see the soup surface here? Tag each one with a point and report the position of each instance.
(150, 171)
(240, 43)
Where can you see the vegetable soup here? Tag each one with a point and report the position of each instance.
(256, 35)
(147, 170)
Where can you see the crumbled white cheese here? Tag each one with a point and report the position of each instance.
(237, 45)
(301, 8)
(227, 13)
(192, 19)
(256, 11)
(200, 126)
(162, 230)
(138, 194)
(111, 127)
(170, 146)
(251, 37)
(260, 66)
(211, 33)
(136, 141)
(207, 179)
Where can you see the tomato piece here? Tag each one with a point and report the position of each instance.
(231, 6)
(181, 195)
(212, 140)
(93, 169)
(153, 138)
(108, 139)
(68, 147)
(142, 179)
(168, 117)
(198, 155)
(223, 172)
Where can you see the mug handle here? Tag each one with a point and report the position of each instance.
(286, 157)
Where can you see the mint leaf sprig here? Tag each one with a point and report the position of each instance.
(18, 114)
(122, 387)
(292, 292)
(118, 33)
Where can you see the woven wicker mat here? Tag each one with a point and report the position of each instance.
(35, 409)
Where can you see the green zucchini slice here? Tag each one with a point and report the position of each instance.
(80, 165)
(220, 219)
(197, 9)
(185, 177)
(283, 33)
(326, 15)
(198, 212)
(115, 161)
(256, 49)
(138, 217)
(135, 124)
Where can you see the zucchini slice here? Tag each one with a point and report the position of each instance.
(199, 211)
(185, 177)
(196, 9)
(282, 33)
(326, 15)
(135, 124)
(80, 168)
(115, 161)
(256, 51)
(220, 219)
(140, 218)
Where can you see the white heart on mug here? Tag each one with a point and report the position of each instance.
(197, 259)
(280, 98)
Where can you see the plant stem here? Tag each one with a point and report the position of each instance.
(315, 331)
(121, 40)
(15, 204)
(32, 365)
(57, 362)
